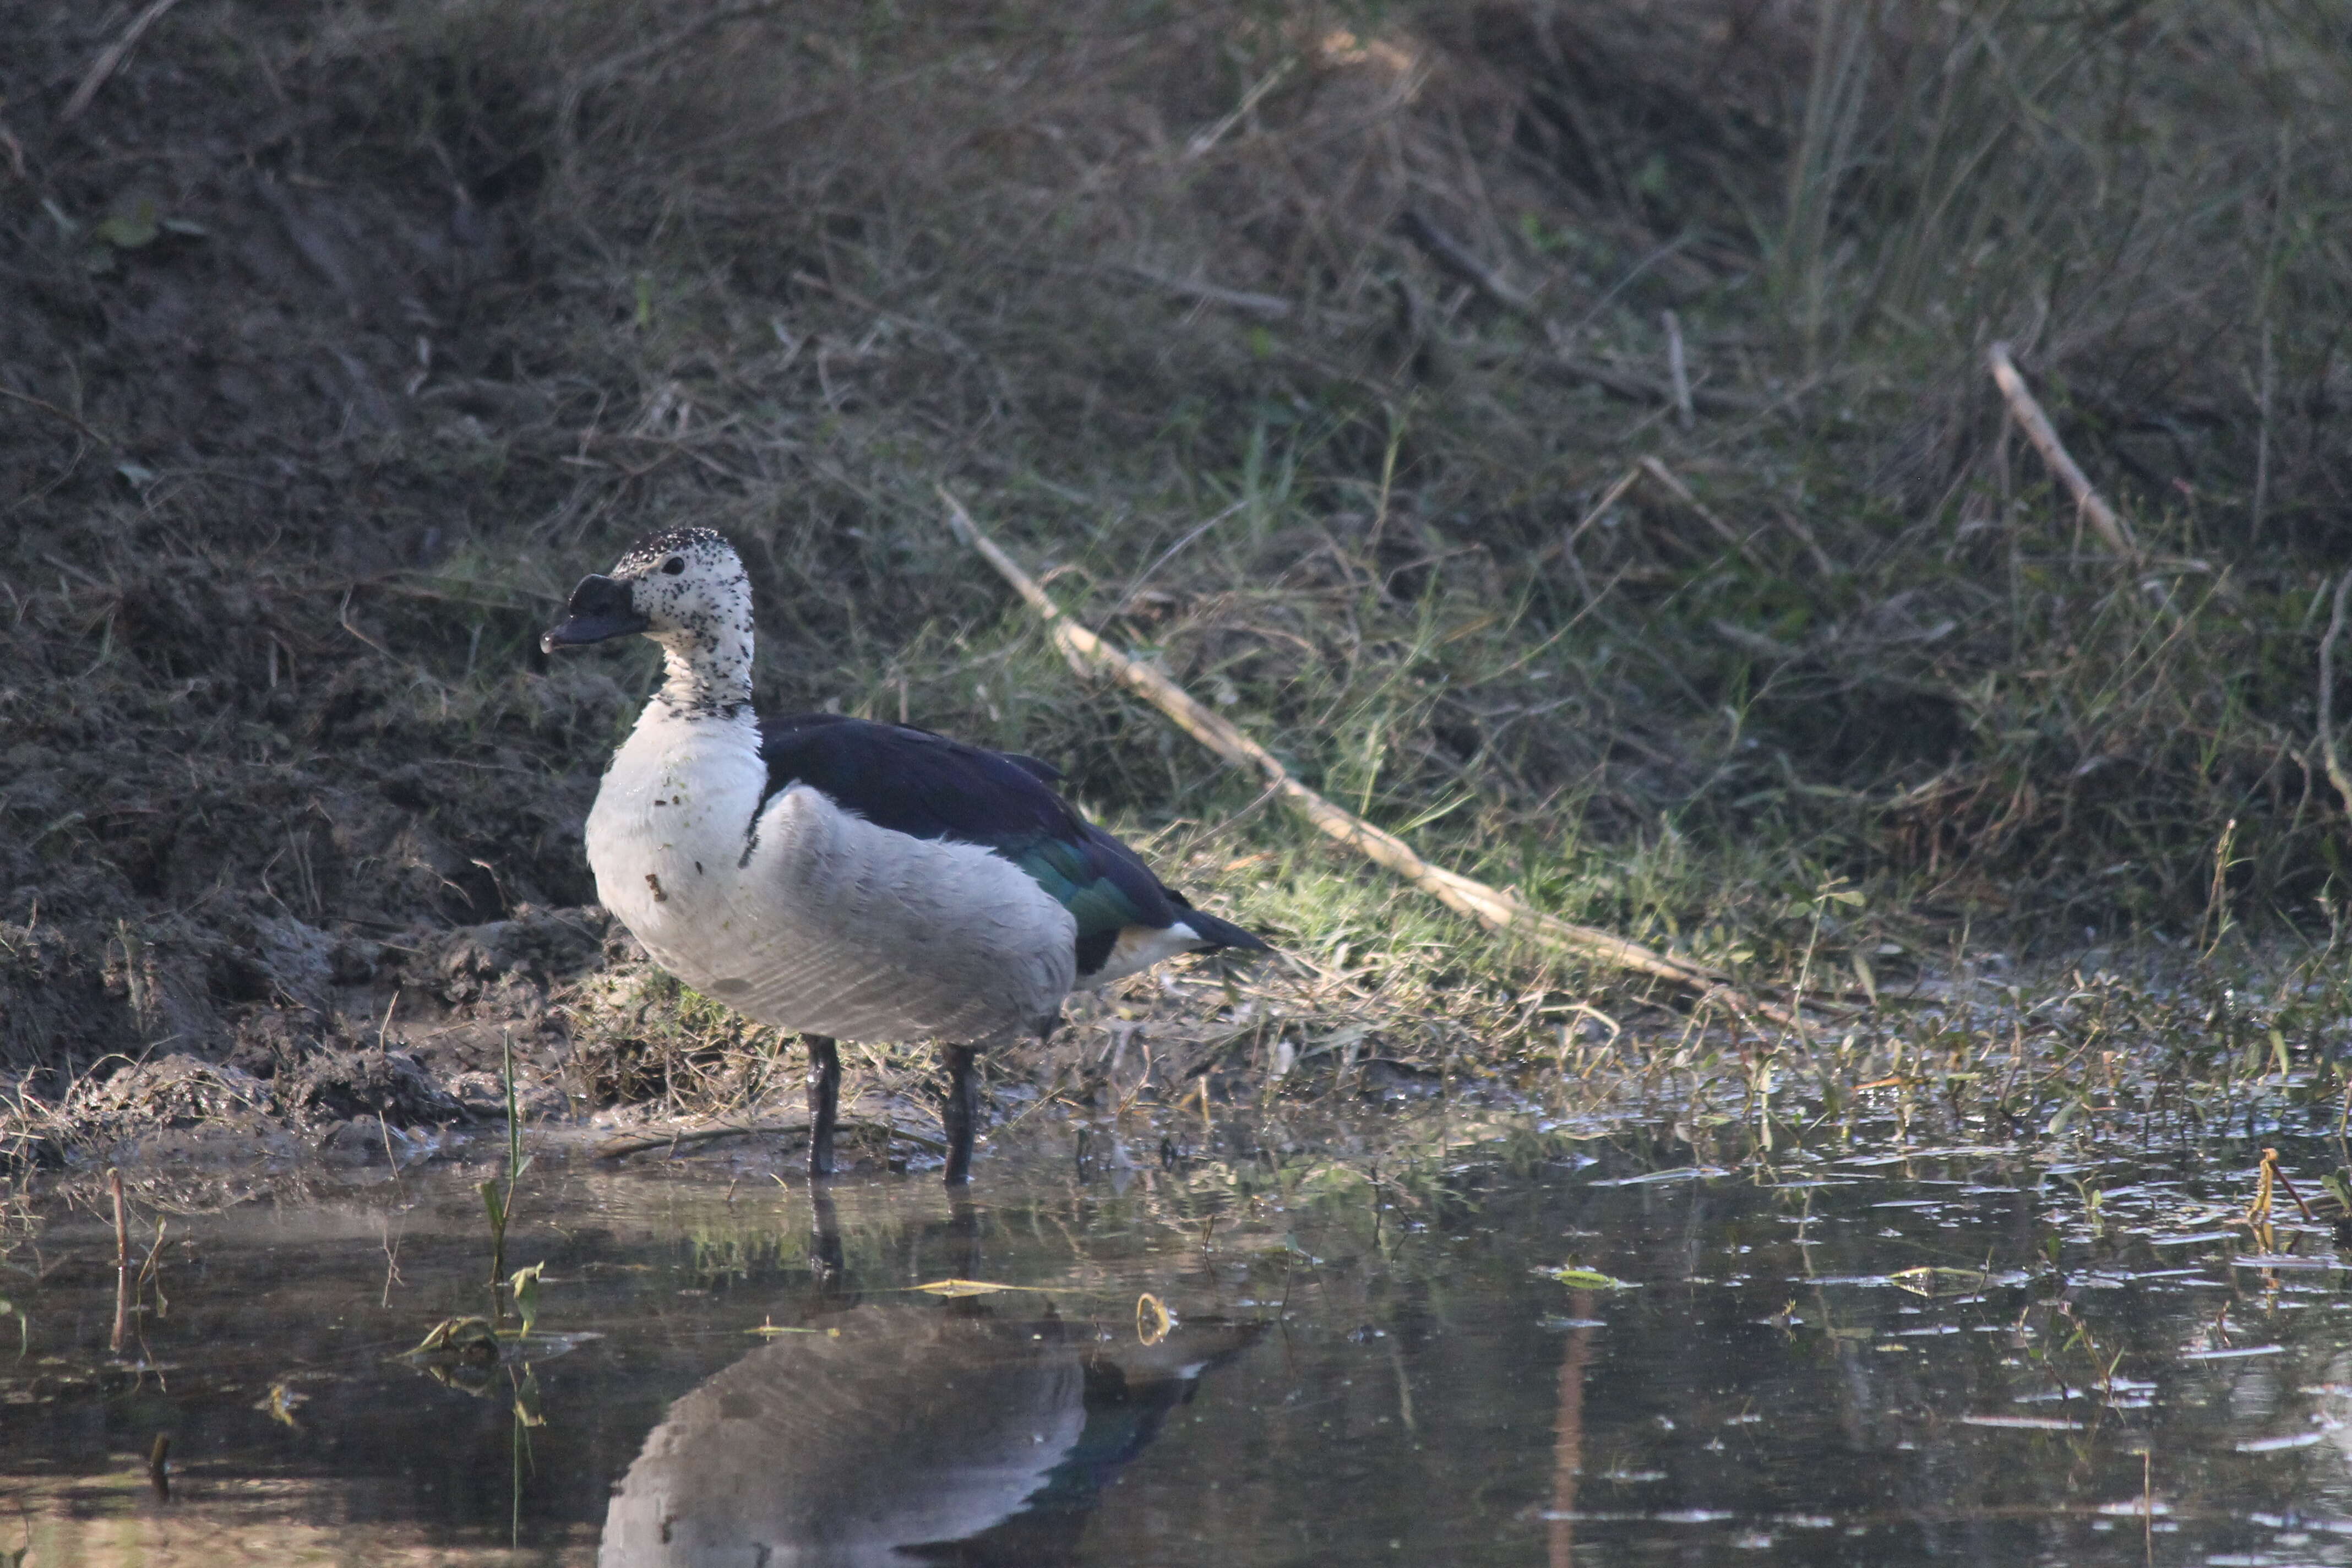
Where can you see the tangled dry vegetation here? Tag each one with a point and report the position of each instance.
(1301, 348)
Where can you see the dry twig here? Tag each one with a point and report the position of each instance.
(1682, 492)
(1459, 259)
(2110, 528)
(1269, 307)
(1664, 477)
(684, 1137)
(110, 60)
(1677, 369)
(1566, 542)
(2330, 756)
(122, 1264)
(1462, 262)
(46, 407)
(1492, 907)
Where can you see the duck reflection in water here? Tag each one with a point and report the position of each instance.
(896, 1435)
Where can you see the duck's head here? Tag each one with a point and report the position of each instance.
(684, 588)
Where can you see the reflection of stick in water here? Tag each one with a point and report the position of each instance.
(1568, 1438)
(121, 1263)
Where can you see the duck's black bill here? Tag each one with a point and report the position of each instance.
(600, 609)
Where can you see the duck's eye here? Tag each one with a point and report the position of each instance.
(674, 566)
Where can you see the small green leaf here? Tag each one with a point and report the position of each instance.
(133, 230)
(491, 1201)
(524, 1282)
(1585, 1279)
(461, 1337)
(956, 1287)
(1928, 1279)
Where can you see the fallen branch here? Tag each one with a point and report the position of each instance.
(2038, 429)
(2330, 756)
(1566, 542)
(686, 1138)
(1682, 492)
(71, 419)
(1664, 477)
(1677, 369)
(1492, 907)
(1269, 307)
(1464, 263)
(1642, 389)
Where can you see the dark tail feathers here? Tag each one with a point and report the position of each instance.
(1219, 933)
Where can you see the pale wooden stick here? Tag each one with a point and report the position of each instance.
(122, 1264)
(1089, 655)
(1677, 370)
(110, 59)
(2330, 756)
(2038, 429)
(1608, 497)
(1682, 492)
(1462, 262)
(686, 1138)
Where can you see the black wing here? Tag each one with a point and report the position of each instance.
(928, 786)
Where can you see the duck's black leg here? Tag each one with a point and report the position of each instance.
(960, 1111)
(824, 1101)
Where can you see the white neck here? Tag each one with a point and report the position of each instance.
(707, 675)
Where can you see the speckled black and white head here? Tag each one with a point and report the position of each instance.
(687, 590)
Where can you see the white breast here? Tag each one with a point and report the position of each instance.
(811, 918)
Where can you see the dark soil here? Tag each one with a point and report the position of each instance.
(234, 830)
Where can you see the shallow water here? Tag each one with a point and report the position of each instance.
(1367, 1363)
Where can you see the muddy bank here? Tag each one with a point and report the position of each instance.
(278, 1040)
(259, 1019)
